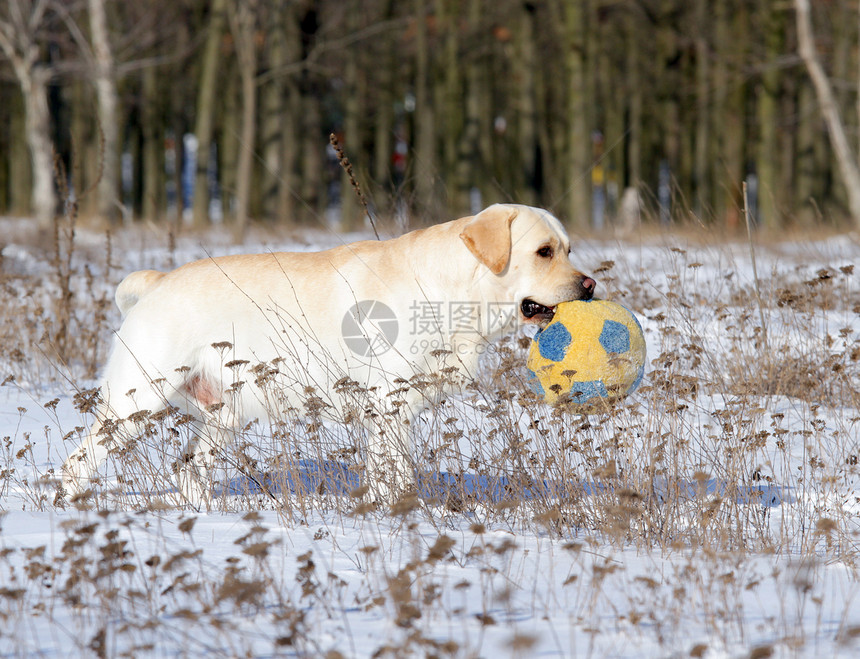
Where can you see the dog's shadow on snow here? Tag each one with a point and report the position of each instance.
(335, 478)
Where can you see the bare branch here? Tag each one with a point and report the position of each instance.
(324, 47)
(36, 15)
(828, 107)
(77, 34)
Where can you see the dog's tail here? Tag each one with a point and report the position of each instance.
(134, 287)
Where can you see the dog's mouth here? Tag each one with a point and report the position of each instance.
(536, 312)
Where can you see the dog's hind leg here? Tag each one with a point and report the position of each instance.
(214, 434)
(116, 423)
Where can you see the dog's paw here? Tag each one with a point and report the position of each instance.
(193, 489)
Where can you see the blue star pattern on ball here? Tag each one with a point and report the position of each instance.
(582, 392)
(553, 342)
(535, 384)
(615, 337)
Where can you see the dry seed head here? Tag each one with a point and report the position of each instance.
(440, 548)
(360, 491)
(405, 505)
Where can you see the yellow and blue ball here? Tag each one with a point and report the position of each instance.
(591, 353)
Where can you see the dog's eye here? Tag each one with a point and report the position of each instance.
(545, 252)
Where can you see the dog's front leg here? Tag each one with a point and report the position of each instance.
(83, 463)
(194, 476)
(389, 466)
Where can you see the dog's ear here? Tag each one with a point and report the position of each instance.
(488, 236)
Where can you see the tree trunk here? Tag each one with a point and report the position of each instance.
(424, 170)
(229, 141)
(670, 57)
(20, 160)
(6, 142)
(471, 153)
(547, 145)
(483, 173)
(273, 110)
(109, 204)
(845, 158)
(312, 167)
(805, 187)
(152, 169)
(383, 122)
(34, 85)
(729, 127)
(86, 156)
(633, 79)
(291, 120)
(786, 145)
(703, 104)
(614, 100)
(19, 43)
(205, 110)
(857, 86)
(452, 98)
(524, 66)
(767, 115)
(350, 213)
(244, 25)
(578, 141)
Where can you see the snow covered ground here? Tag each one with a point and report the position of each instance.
(713, 514)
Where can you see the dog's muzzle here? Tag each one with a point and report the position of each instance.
(534, 310)
(541, 313)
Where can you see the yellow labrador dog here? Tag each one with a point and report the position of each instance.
(378, 313)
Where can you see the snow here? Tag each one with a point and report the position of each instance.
(569, 598)
(137, 578)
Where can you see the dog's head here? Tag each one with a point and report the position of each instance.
(528, 254)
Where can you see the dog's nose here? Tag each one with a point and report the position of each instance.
(588, 285)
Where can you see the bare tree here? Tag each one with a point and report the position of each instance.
(772, 20)
(20, 24)
(106, 99)
(845, 158)
(243, 24)
(109, 50)
(425, 118)
(570, 17)
(206, 99)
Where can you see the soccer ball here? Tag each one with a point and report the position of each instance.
(591, 353)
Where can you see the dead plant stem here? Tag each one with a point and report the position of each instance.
(755, 270)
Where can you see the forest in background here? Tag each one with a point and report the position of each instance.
(213, 110)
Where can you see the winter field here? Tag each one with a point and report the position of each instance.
(712, 514)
